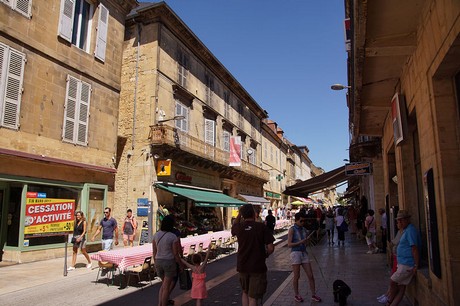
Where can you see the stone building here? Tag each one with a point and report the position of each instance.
(181, 113)
(60, 67)
(404, 106)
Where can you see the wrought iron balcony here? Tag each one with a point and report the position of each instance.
(167, 135)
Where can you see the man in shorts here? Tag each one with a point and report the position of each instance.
(255, 244)
(407, 257)
(109, 227)
(297, 241)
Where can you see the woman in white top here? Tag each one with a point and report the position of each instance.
(166, 257)
(369, 223)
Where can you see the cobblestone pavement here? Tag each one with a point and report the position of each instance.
(43, 283)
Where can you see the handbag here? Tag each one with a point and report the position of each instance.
(344, 226)
(74, 239)
(369, 234)
(185, 280)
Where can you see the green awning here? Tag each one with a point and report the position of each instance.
(203, 197)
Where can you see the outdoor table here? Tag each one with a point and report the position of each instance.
(282, 224)
(205, 239)
(125, 257)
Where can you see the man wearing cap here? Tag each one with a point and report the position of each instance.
(407, 256)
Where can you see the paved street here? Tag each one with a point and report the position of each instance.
(42, 283)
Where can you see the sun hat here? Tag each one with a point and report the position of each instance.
(403, 214)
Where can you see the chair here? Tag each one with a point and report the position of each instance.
(191, 251)
(145, 268)
(109, 268)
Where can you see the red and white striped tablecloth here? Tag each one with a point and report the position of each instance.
(205, 239)
(125, 257)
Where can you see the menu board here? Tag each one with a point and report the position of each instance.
(144, 236)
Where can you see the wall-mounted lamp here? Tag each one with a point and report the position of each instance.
(250, 152)
(346, 160)
(170, 119)
(339, 87)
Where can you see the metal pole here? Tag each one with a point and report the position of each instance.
(65, 254)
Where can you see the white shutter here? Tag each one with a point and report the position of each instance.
(24, 7)
(209, 127)
(12, 81)
(70, 110)
(83, 114)
(226, 141)
(102, 27)
(66, 19)
(3, 64)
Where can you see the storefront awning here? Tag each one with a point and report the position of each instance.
(203, 197)
(254, 200)
(316, 183)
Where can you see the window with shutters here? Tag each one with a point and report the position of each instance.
(75, 23)
(253, 156)
(12, 64)
(23, 7)
(182, 110)
(227, 104)
(226, 141)
(209, 131)
(182, 64)
(76, 112)
(209, 90)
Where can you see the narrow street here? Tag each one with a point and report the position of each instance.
(366, 274)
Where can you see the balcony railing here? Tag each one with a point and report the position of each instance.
(166, 135)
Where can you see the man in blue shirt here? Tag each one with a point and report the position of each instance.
(407, 256)
(109, 226)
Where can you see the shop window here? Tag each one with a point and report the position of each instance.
(95, 209)
(53, 192)
(13, 215)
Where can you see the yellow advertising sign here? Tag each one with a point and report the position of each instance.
(57, 227)
(46, 215)
(163, 167)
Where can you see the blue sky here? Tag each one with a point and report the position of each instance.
(286, 54)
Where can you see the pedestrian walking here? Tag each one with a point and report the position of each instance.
(297, 241)
(339, 219)
(166, 256)
(109, 227)
(330, 226)
(129, 229)
(255, 244)
(270, 221)
(383, 228)
(369, 223)
(198, 267)
(79, 239)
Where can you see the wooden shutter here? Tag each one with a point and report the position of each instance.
(12, 80)
(66, 19)
(209, 129)
(24, 7)
(83, 113)
(70, 111)
(102, 27)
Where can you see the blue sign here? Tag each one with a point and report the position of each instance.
(41, 195)
(142, 207)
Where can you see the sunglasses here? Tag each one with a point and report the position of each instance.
(302, 221)
(106, 212)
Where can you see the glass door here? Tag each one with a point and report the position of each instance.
(95, 210)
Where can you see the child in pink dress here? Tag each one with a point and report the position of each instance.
(198, 291)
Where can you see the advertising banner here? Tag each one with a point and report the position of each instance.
(47, 217)
(235, 151)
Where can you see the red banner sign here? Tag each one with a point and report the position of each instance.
(44, 216)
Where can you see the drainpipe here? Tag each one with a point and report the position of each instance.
(135, 85)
